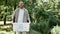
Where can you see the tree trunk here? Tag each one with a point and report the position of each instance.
(14, 9)
(5, 20)
(15, 5)
(5, 11)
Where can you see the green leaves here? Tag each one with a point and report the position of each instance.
(43, 15)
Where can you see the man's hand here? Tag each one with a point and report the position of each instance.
(13, 19)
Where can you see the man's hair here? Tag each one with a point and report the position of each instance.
(21, 2)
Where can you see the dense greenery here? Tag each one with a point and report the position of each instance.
(44, 15)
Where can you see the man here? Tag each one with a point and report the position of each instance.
(20, 15)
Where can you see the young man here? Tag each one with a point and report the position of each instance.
(20, 15)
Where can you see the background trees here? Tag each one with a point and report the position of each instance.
(44, 15)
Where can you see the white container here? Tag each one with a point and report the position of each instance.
(21, 27)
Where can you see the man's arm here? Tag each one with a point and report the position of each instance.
(13, 15)
(28, 17)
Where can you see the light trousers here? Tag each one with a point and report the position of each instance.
(20, 32)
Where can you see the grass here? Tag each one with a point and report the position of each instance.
(7, 29)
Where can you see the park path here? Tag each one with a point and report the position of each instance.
(7, 22)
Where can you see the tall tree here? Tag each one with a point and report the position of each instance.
(5, 12)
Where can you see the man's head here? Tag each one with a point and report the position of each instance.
(21, 4)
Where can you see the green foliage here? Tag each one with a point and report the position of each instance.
(55, 30)
(44, 15)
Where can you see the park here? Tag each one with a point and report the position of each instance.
(44, 16)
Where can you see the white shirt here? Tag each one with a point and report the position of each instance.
(20, 17)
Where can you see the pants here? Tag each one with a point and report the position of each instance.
(20, 32)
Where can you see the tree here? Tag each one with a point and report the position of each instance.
(44, 15)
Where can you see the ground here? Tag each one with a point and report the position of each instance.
(7, 29)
